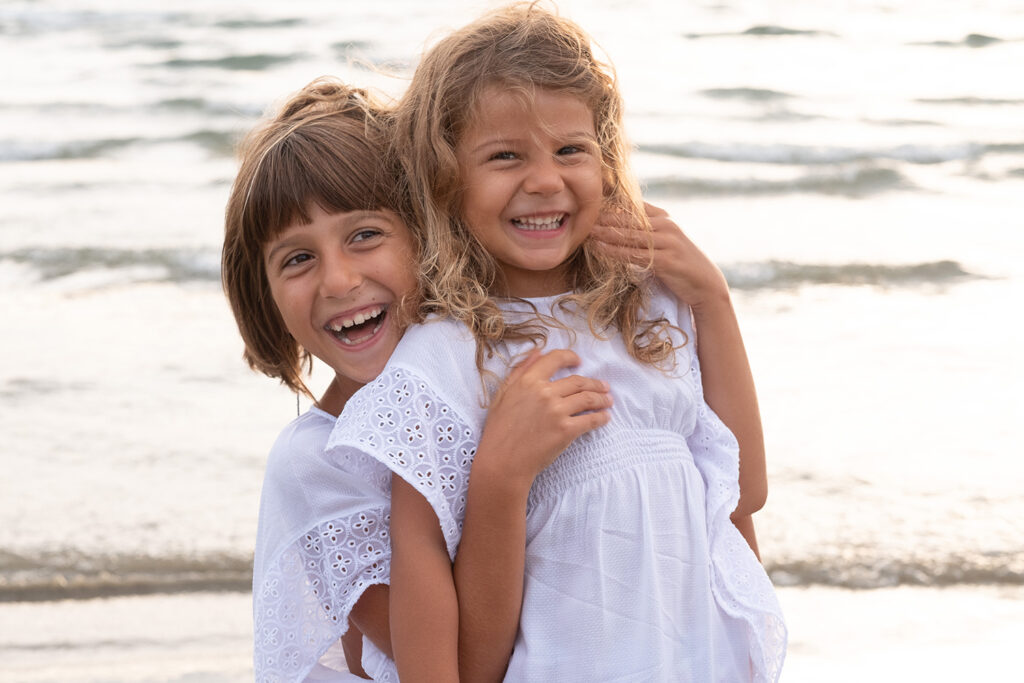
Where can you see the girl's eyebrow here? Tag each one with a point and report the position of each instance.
(490, 142)
(575, 135)
(279, 244)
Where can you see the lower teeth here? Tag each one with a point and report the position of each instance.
(352, 342)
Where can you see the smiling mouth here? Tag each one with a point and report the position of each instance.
(540, 223)
(359, 328)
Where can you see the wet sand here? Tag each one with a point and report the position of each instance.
(836, 635)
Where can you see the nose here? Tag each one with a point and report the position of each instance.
(339, 275)
(544, 177)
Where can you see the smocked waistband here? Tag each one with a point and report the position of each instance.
(598, 453)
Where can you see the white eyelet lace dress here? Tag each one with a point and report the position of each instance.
(322, 540)
(634, 571)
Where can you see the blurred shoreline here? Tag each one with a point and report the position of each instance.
(836, 635)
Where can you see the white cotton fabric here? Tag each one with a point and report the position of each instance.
(634, 571)
(322, 540)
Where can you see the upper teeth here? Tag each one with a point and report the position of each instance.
(539, 223)
(357, 319)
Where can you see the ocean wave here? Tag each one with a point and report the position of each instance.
(857, 182)
(785, 274)
(31, 20)
(75, 575)
(901, 123)
(820, 155)
(148, 265)
(970, 100)
(762, 30)
(20, 150)
(200, 105)
(749, 94)
(253, 62)
(252, 22)
(970, 40)
(218, 142)
(883, 572)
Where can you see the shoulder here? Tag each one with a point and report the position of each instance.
(440, 352)
(304, 438)
(300, 467)
(433, 331)
(662, 303)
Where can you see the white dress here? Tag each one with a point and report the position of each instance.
(634, 571)
(322, 540)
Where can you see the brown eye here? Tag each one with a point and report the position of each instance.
(364, 234)
(297, 259)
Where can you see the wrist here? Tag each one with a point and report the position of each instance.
(715, 304)
(494, 472)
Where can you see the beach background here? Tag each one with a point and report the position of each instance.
(856, 168)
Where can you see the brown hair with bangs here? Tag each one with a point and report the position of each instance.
(325, 147)
(520, 48)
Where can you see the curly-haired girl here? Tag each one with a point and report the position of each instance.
(511, 138)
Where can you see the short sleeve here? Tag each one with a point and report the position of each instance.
(301, 605)
(323, 539)
(740, 584)
(401, 422)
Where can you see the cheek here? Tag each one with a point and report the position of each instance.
(472, 205)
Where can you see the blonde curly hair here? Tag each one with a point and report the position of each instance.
(519, 48)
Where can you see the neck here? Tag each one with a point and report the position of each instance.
(338, 392)
(534, 284)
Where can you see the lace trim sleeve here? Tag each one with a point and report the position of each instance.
(302, 605)
(739, 582)
(400, 421)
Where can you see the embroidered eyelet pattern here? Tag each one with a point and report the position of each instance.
(302, 607)
(740, 586)
(400, 421)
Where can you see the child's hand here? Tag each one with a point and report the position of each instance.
(532, 419)
(688, 273)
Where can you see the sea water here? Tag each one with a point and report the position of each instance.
(856, 168)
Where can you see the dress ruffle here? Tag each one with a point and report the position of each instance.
(740, 584)
(323, 540)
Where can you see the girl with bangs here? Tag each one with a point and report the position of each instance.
(319, 260)
(620, 559)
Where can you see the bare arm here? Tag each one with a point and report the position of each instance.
(423, 606)
(370, 617)
(727, 379)
(530, 422)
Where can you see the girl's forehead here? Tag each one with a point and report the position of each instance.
(538, 108)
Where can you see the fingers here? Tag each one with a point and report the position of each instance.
(586, 401)
(653, 211)
(641, 256)
(636, 238)
(581, 424)
(575, 384)
(522, 366)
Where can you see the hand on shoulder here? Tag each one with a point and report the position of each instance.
(679, 263)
